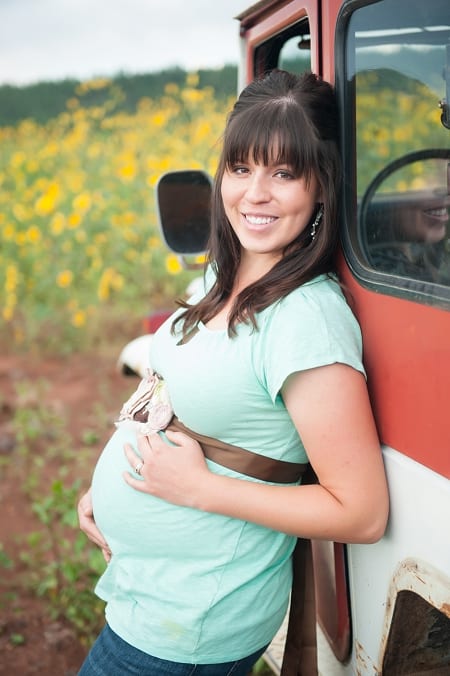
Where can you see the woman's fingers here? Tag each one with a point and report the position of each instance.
(88, 525)
(135, 461)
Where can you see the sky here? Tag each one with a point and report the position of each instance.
(55, 39)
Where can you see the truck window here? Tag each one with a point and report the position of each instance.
(290, 49)
(397, 144)
(295, 54)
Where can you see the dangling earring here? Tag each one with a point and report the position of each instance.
(317, 220)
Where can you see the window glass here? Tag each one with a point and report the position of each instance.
(398, 85)
(295, 54)
(289, 50)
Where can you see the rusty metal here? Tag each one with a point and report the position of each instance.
(419, 638)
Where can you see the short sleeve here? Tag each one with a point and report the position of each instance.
(313, 326)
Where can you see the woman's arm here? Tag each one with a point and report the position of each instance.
(331, 411)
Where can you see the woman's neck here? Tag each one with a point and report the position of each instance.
(252, 268)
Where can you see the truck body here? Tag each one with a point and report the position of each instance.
(385, 608)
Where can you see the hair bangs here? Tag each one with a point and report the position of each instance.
(272, 137)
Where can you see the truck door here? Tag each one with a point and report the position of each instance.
(393, 83)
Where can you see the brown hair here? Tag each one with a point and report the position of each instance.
(281, 118)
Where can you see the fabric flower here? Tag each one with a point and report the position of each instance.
(149, 409)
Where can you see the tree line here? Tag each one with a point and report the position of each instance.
(45, 100)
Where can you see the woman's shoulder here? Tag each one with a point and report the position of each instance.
(322, 294)
(311, 326)
(324, 284)
(317, 307)
(200, 285)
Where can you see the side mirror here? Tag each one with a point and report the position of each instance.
(184, 199)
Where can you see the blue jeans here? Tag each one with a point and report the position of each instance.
(112, 656)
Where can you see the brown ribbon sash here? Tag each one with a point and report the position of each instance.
(243, 461)
(140, 406)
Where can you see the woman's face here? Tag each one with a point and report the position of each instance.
(267, 206)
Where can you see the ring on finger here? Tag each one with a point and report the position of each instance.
(138, 468)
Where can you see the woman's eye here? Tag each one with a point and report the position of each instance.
(239, 170)
(283, 173)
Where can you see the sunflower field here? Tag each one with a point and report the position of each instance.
(80, 246)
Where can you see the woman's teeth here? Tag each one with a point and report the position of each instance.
(439, 213)
(260, 220)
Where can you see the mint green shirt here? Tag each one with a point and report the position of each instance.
(190, 586)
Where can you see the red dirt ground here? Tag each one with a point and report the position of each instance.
(49, 648)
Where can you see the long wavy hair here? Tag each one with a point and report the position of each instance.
(281, 118)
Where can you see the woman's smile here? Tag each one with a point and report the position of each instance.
(259, 222)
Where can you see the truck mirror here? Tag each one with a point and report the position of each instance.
(183, 201)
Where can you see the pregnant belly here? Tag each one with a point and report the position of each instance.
(180, 555)
(132, 521)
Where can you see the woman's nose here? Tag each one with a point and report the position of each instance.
(258, 189)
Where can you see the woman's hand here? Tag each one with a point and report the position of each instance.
(88, 526)
(173, 473)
